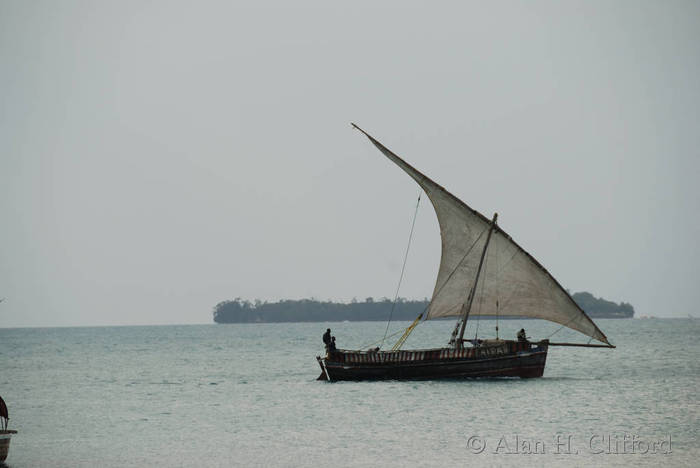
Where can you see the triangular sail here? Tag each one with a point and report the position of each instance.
(513, 277)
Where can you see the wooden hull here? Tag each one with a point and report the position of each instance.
(5, 436)
(503, 359)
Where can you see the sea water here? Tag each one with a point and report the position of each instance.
(247, 395)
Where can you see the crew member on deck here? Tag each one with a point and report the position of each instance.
(327, 338)
(332, 346)
(521, 335)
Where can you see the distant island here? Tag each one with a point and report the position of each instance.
(311, 310)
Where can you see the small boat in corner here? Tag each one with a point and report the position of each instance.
(5, 433)
(479, 260)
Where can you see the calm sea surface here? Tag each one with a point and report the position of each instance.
(246, 395)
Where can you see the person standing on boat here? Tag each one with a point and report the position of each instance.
(521, 335)
(332, 346)
(327, 338)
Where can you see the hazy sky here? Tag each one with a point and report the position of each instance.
(159, 157)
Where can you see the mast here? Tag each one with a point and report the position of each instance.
(468, 306)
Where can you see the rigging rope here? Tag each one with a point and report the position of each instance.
(403, 268)
(377, 342)
(406, 334)
(559, 329)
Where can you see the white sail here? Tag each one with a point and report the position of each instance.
(512, 281)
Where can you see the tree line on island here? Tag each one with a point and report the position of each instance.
(312, 310)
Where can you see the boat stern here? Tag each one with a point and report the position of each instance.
(324, 371)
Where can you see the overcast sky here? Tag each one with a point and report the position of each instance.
(159, 157)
